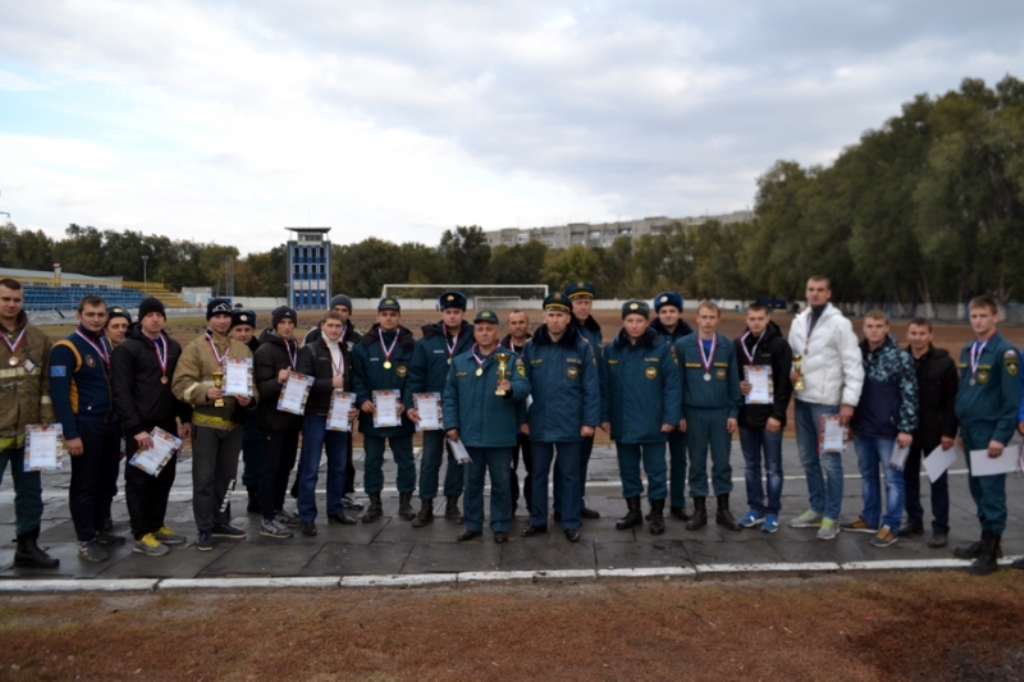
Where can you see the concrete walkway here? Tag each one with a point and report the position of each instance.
(376, 553)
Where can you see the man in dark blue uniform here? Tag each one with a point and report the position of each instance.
(380, 362)
(82, 399)
(988, 405)
(640, 407)
(711, 403)
(582, 295)
(428, 372)
(668, 306)
(486, 423)
(566, 407)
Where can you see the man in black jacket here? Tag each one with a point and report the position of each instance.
(141, 367)
(937, 382)
(331, 369)
(243, 326)
(275, 359)
(763, 349)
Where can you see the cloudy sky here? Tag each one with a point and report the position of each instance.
(226, 121)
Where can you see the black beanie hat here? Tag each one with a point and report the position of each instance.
(151, 305)
(218, 306)
(283, 313)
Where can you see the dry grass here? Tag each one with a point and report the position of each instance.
(927, 626)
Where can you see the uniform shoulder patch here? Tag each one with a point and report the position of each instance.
(1012, 363)
(58, 371)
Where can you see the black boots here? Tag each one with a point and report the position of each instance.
(657, 517)
(679, 513)
(724, 517)
(700, 514)
(987, 560)
(374, 510)
(973, 550)
(254, 499)
(405, 506)
(634, 517)
(451, 510)
(29, 555)
(425, 514)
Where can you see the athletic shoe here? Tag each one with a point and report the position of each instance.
(110, 540)
(937, 540)
(308, 529)
(274, 529)
(829, 529)
(859, 525)
(91, 551)
(150, 546)
(771, 523)
(286, 518)
(751, 519)
(169, 537)
(204, 543)
(911, 530)
(223, 530)
(349, 502)
(884, 538)
(809, 519)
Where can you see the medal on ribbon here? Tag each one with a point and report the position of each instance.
(388, 352)
(708, 360)
(13, 347)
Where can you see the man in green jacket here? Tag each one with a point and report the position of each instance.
(482, 403)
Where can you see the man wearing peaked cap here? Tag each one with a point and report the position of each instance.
(668, 306)
(428, 373)
(582, 295)
(389, 304)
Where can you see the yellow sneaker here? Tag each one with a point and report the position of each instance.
(169, 537)
(150, 546)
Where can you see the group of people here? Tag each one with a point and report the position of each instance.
(656, 386)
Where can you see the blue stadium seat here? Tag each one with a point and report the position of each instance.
(41, 297)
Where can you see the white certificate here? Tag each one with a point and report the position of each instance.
(238, 377)
(293, 395)
(832, 434)
(385, 405)
(937, 461)
(761, 388)
(898, 459)
(337, 416)
(153, 460)
(459, 451)
(428, 405)
(983, 465)
(44, 447)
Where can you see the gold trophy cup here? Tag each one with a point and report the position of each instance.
(218, 381)
(798, 385)
(502, 358)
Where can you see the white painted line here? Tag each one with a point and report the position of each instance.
(414, 580)
(1007, 560)
(812, 566)
(566, 574)
(494, 576)
(645, 572)
(325, 582)
(72, 585)
(904, 564)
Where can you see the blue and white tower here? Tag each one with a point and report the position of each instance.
(309, 268)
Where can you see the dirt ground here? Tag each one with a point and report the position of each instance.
(934, 626)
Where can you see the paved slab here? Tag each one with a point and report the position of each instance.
(392, 547)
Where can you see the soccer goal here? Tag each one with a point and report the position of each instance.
(479, 296)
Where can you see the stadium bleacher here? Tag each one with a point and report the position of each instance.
(41, 297)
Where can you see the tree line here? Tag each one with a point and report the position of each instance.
(925, 209)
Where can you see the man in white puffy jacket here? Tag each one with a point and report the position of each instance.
(832, 376)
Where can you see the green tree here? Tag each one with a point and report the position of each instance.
(466, 255)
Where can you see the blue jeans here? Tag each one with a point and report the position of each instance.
(498, 463)
(653, 456)
(434, 448)
(824, 472)
(315, 436)
(568, 464)
(753, 441)
(872, 453)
